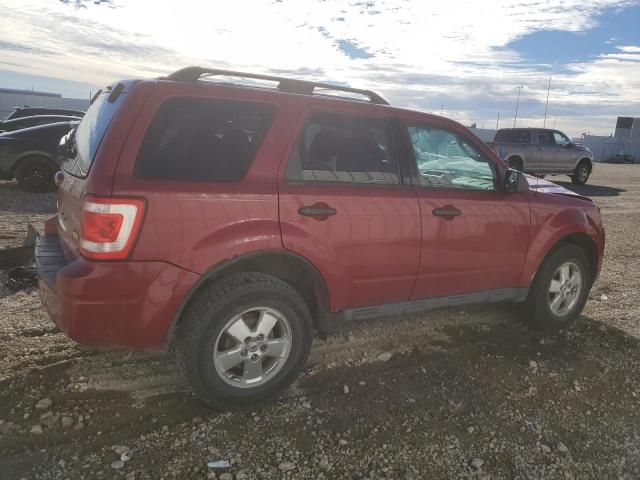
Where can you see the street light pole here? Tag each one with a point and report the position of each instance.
(520, 87)
(547, 105)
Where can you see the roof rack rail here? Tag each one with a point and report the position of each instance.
(288, 85)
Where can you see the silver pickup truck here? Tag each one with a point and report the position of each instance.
(542, 151)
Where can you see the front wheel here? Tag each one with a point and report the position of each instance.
(560, 289)
(581, 174)
(244, 340)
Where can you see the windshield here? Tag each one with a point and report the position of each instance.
(89, 134)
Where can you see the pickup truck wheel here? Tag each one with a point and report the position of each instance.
(560, 289)
(581, 174)
(516, 163)
(243, 340)
(35, 174)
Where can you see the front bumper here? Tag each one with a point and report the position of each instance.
(110, 304)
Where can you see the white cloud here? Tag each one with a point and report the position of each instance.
(422, 54)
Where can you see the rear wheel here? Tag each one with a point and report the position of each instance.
(581, 174)
(244, 340)
(516, 163)
(35, 174)
(560, 289)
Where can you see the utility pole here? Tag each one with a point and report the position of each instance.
(547, 105)
(498, 121)
(441, 108)
(520, 87)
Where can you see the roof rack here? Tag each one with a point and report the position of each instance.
(288, 85)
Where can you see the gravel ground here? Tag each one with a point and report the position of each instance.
(453, 394)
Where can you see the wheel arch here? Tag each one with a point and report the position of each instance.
(586, 243)
(289, 267)
(586, 160)
(517, 158)
(580, 239)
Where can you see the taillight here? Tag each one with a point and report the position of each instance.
(109, 227)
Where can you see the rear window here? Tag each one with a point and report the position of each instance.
(513, 136)
(90, 132)
(203, 140)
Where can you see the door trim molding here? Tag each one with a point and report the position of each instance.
(419, 306)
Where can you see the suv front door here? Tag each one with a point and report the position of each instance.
(345, 208)
(547, 159)
(474, 235)
(566, 155)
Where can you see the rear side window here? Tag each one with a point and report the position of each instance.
(344, 149)
(89, 133)
(203, 140)
(513, 136)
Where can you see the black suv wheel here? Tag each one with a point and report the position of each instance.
(35, 174)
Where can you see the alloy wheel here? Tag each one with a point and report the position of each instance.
(252, 347)
(565, 289)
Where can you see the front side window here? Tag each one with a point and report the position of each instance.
(344, 149)
(560, 139)
(200, 139)
(447, 160)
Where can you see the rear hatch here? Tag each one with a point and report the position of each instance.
(78, 152)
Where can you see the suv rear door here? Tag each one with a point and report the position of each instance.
(474, 236)
(344, 207)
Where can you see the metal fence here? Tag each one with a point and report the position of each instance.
(607, 148)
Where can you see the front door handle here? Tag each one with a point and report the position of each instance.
(319, 211)
(447, 212)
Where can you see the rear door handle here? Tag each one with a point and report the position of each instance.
(447, 212)
(319, 211)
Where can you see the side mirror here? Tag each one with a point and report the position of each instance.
(515, 182)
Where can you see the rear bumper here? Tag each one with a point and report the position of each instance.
(110, 304)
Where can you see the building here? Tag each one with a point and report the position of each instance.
(10, 98)
(628, 127)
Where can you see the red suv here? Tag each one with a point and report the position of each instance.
(228, 222)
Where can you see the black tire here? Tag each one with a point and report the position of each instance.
(581, 174)
(35, 174)
(536, 307)
(516, 163)
(204, 319)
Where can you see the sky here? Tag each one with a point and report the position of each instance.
(464, 59)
